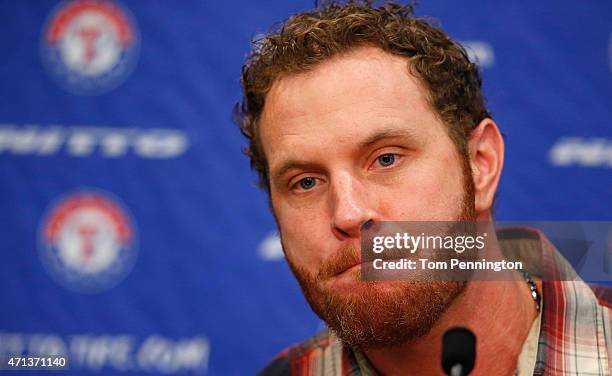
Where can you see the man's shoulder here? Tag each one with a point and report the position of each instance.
(303, 358)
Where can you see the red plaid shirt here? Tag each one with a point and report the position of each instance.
(575, 333)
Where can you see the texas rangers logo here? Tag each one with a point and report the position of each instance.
(87, 241)
(90, 46)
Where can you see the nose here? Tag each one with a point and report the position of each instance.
(351, 206)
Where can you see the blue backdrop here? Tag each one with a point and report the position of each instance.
(132, 237)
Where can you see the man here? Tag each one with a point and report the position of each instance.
(356, 114)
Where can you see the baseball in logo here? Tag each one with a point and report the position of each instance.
(90, 46)
(88, 241)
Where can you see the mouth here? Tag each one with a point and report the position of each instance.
(362, 265)
(349, 269)
(344, 260)
(345, 280)
(348, 275)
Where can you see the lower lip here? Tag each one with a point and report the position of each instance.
(347, 276)
(351, 268)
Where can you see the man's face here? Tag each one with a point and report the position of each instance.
(351, 141)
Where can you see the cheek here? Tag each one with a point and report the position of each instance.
(443, 191)
(304, 235)
(431, 189)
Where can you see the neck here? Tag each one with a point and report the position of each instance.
(500, 313)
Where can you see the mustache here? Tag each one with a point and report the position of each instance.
(345, 258)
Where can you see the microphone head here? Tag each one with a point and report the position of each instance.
(458, 347)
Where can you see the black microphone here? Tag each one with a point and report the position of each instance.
(458, 351)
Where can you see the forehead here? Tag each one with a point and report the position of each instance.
(344, 99)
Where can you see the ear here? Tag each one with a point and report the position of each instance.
(486, 148)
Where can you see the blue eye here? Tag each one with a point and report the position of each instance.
(386, 160)
(307, 183)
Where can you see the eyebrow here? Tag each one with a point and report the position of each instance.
(382, 135)
(293, 164)
(387, 134)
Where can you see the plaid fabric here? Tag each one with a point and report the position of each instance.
(575, 335)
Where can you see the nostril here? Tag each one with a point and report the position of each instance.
(367, 225)
(340, 234)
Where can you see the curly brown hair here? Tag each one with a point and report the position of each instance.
(306, 39)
